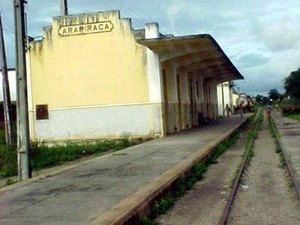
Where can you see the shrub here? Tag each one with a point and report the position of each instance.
(8, 161)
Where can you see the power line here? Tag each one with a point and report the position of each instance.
(128, 8)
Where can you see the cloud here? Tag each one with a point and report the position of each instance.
(264, 33)
(252, 60)
(282, 37)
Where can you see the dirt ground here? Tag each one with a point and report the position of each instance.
(205, 202)
(265, 196)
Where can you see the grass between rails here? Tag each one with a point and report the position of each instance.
(162, 205)
(274, 133)
(255, 125)
(282, 161)
(44, 156)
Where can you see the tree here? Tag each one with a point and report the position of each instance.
(262, 99)
(274, 94)
(259, 98)
(292, 84)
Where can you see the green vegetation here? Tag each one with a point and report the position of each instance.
(145, 220)
(291, 109)
(262, 100)
(8, 161)
(294, 116)
(162, 205)
(274, 95)
(292, 84)
(255, 126)
(43, 156)
(221, 148)
(273, 131)
(252, 129)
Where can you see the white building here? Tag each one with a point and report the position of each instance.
(225, 97)
(12, 84)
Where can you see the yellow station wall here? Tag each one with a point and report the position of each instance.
(88, 69)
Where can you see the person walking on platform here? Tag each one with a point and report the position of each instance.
(241, 109)
(227, 110)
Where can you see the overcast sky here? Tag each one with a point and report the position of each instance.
(262, 38)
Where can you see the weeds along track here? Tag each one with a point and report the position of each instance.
(284, 156)
(261, 192)
(256, 124)
(213, 180)
(238, 188)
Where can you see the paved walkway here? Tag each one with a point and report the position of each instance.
(289, 131)
(101, 190)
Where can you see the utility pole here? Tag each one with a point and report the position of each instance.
(6, 93)
(64, 7)
(24, 170)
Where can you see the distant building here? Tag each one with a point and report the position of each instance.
(94, 76)
(235, 97)
(12, 88)
(225, 97)
(12, 84)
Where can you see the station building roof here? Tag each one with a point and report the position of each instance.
(195, 53)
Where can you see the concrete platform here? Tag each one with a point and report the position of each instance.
(111, 189)
(289, 132)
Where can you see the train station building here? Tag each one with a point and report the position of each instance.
(95, 76)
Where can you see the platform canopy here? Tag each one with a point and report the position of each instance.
(199, 54)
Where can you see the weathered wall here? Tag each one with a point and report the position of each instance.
(88, 69)
(92, 74)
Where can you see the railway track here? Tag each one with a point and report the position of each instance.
(235, 191)
(230, 201)
(286, 159)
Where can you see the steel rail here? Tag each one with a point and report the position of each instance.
(226, 211)
(286, 159)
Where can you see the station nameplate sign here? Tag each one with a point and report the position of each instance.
(89, 28)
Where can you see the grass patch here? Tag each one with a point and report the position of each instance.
(255, 126)
(43, 156)
(11, 181)
(294, 116)
(282, 162)
(251, 130)
(273, 131)
(145, 220)
(162, 205)
(8, 161)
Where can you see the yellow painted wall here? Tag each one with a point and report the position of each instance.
(88, 69)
